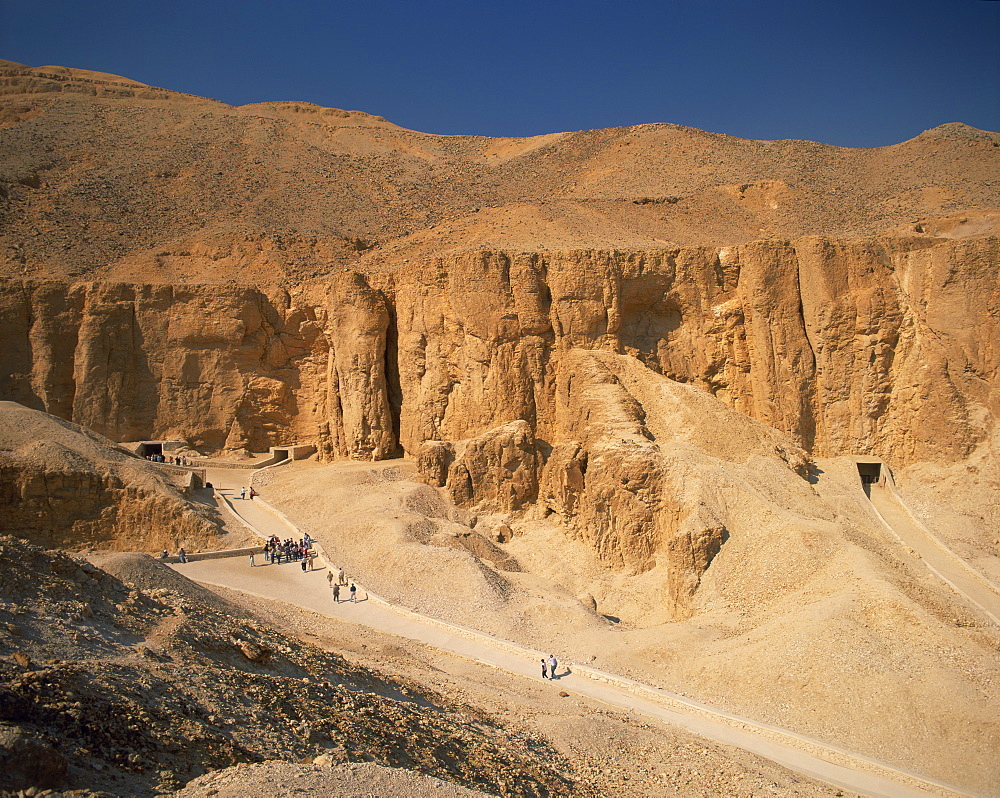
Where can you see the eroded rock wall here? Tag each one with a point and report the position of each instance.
(219, 366)
(880, 346)
(71, 508)
(877, 346)
(105, 512)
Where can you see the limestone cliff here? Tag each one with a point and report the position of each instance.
(867, 346)
(878, 346)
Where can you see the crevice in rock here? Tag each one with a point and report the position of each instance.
(393, 383)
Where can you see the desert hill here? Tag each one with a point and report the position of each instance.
(103, 177)
(633, 369)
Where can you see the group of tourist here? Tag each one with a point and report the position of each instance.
(277, 551)
(341, 582)
(168, 459)
(549, 667)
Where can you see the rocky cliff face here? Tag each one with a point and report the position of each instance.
(867, 346)
(62, 487)
(879, 346)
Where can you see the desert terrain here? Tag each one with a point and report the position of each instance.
(716, 415)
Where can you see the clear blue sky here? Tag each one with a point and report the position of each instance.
(846, 72)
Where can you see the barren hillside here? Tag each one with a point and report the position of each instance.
(103, 178)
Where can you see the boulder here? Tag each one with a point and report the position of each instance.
(28, 761)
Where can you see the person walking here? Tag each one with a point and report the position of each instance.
(182, 555)
(545, 673)
(243, 493)
(329, 578)
(552, 666)
(304, 564)
(336, 593)
(354, 593)
(251, 559)
(341, 577)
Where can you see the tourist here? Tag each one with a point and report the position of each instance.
(243, 493)
(545, 673)
(552, 666)
(329, 578)
(252, 493)
(182, 555)
(251, 559)
(164, 555)
(341, 577)
(354, 593)
(303, 565)
(336, 593)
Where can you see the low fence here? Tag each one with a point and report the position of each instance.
(215, 555)
(227, 464)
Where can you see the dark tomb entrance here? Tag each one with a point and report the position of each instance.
(869, 473)
(146, 449)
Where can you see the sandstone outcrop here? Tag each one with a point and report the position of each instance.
(61, 487)
(495, 472)
(849, 346)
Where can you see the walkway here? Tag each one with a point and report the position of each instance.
(940, 559)
(287, 582)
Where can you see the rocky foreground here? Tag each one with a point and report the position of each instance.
(131, 680)
(146, 685)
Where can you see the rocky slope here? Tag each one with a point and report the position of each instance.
(145, 688)
(62, 486)
(129, 679)
(289, 190)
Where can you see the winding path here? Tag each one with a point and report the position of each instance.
(287, 582)
(939, 558)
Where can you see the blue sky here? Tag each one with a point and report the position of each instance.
(848, 73)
